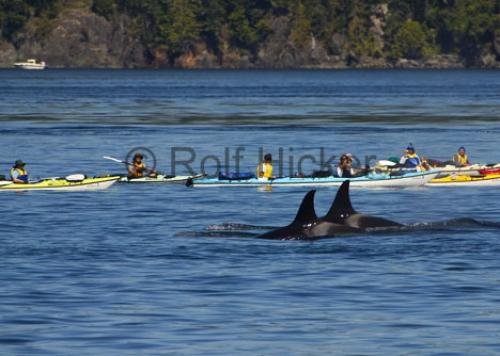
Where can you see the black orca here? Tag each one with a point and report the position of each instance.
(298, 230)
(340, 219)
(342, 212)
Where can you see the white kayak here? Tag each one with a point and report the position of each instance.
(160, 178)
(373, 180)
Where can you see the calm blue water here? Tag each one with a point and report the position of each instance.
(153, 269)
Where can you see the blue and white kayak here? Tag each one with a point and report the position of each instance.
(409, 179)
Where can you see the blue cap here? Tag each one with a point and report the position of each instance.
(410, 147)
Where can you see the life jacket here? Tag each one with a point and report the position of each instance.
(19, 173)
(138, 169)
(411, 161)
(264, 170)
(461, 160)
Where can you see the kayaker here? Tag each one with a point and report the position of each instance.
(138, 168)
(461, 159)
(410, 158)
(18, 173)
(344, 168)
(265, 168)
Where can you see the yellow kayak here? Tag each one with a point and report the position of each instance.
(464, 179)
(62, 184)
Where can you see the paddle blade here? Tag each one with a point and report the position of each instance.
(113, 159)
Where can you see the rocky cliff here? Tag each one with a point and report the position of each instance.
(77, 38)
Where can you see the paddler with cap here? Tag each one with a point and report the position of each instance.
(410, 159)
(18, 172)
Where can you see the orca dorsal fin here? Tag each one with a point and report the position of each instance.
(306, 213)
(341, 207)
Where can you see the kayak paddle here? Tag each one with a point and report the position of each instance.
(117, 160)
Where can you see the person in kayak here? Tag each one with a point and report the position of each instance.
(344, 168)
(138, 169)
(19, 174)
(265, 168)
(410, 158)
(461, 159)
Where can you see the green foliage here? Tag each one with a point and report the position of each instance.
(338, 14)
(411, 41)
(465, 27)
(105, 8)
(361, 40)
(150, 17)
(411, 28)
(14, 14)
(181, 28)
(248, 22)
(46, 8)
(212, 16)
(241, 32)
(300, 33)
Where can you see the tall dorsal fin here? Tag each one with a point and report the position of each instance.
(341, 207)
(306, 213)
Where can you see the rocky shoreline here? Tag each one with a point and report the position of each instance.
(79, 38)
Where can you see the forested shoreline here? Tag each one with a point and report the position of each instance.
(252, 34)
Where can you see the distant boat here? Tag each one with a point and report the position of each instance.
(30, 64)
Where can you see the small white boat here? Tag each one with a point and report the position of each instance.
(30, 64)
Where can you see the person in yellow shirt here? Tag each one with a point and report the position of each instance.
(19, 174)
(461, 159)
(265, 169)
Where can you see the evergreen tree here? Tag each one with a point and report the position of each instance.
(105, 8)
(212, 16)
(360, 40)
(411, 41)
(13, 15)
(412, 28)
(241, 32)
(300, 33)
(181, 27)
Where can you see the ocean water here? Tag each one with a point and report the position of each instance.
(166, 269)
